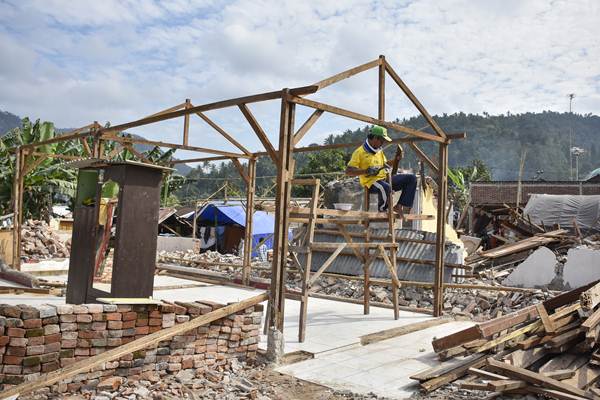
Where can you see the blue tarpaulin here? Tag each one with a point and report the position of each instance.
(263, 224)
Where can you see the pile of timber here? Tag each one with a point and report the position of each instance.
(550, 349)
(517, 251)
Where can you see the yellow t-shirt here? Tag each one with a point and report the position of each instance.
(362, 159)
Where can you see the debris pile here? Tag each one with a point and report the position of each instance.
(39, 242)
(239, 380)
(550, 349)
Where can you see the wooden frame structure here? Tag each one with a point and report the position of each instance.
(281, 154)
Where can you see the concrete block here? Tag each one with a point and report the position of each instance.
(582, 267)
(537, 270)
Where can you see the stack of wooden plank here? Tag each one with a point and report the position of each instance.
(517, 251)
(550, 349)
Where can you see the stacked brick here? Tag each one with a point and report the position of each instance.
(41, 339)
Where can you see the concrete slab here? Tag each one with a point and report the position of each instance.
(334, 324)
(537, 270)
(382, 368)
(582, 267)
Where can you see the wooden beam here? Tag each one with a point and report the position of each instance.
(347, 74)
(404, 139)
(223, 133)
(61, 138)
(414, 100)
(210, 106)
(138, 344)
(186, 123)
(312, 119)
(327, 263)
(240, 169)
(250, 195)
(381, 89)
(402, 330)
(424, 157)
(361, 117)
(227, 154)
(136, 153)
(438, 289)
(34, 164)
(388, 263)
(262, 136)
(533, 377)
(548, 325)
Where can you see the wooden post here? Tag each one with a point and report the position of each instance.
(17, 196)
(310, 235)
(284, 172)
(438, 288)
(250, 191)
(186, 123)
(381, 91)
(367, 264)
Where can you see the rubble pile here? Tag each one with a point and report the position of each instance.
(551, 349)
(40, 242)
(239, 380)
(229, 264)
(478, 304)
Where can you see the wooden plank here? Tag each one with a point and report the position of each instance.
(327, 263)
(138, 344)
(525, 358)
(486, 374)
(558, 362)
(250, 193)
(262, 136)
(584, 377)
(361, 117)
(312, 119)
(347, 74)
(442, 182)
(402, 330)
(186, 123)
(555, 394)
(505, 384)
(592, 321)
(356, 245)
(533, 377)
(454, 374)
(176, 146)
(443, 369)
(389, 265)
(548, 325)
(241, 170)
(223, 133)
(210, 106)
(509, 336)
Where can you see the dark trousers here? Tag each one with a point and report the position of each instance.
(407, 183)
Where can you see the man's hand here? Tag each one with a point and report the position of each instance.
(372, 171)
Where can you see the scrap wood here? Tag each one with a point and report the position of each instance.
(138, 344)
(590, 298)
(533, 377)
(487, 329)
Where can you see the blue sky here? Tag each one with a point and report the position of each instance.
(73, 62)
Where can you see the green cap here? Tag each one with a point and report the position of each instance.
(381, 132)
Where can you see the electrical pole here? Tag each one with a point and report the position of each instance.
(571, 96)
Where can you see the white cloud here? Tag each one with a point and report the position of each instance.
(75, 62)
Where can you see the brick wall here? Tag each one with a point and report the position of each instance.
(40, 339)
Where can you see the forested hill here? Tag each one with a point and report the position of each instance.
(499, 140)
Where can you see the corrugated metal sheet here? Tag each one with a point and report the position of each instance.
(348, 264)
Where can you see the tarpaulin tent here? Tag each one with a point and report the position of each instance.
(551, 209)
(263, 224)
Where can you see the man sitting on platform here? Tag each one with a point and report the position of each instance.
(371, 166)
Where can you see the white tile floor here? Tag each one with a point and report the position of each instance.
(382, 368)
